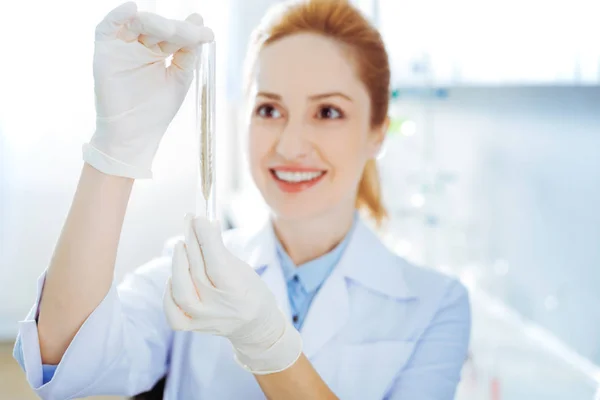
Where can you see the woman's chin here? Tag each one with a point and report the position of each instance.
(309, 204)
(294, 209)
(308, 209)
(288, 212)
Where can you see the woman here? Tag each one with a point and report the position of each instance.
(310, 306)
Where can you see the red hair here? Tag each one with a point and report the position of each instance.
(342, 22)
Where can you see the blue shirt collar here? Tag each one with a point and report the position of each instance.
(312, 273)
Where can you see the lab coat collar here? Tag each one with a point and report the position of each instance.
(366, 260)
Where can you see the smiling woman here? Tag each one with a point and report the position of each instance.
(308, 305)
(341, 80)
(320, 124)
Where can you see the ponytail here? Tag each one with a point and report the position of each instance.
(369, 197)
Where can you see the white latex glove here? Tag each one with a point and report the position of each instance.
(137, 96)
(238, 306)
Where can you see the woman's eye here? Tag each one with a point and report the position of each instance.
(268, 111)
(329, 113)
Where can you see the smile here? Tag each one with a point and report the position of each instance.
(297, 177)
(290, 181)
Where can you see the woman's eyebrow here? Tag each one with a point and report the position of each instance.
(269, 95)
(313, 97)
(330, 94)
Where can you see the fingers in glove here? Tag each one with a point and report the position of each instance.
(215, 254)
(150, 42)
(115, 21)
(188, 34)
(151, 29)
(184, 292)
(184, 58)
(196, 257)
(177, 319)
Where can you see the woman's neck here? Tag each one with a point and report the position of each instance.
(308, 239)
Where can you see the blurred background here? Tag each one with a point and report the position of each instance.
(491, 169)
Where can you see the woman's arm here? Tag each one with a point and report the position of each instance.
(300, 381)
(136, 99)
(122, 347)
(82, 267)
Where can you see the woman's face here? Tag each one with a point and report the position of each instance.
(309, 127)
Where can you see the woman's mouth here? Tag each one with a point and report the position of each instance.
(294, 181)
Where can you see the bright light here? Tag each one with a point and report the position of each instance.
(417, 200)
(468, 278)
(445, 268)
(408, 128)
(403, 247)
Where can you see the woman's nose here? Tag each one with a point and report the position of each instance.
(293, 142)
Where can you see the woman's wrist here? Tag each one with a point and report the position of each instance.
(282, 354)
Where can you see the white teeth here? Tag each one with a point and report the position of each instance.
(296, 177)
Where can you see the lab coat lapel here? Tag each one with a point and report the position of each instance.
(273, 277)
(327, 314)
(366, 261)
(262, 257)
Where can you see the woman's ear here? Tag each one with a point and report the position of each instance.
(378, 134)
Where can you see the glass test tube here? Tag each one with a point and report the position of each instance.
(205, 127)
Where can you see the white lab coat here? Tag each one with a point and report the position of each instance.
(378, 328)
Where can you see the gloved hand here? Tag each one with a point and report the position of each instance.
(212, 291)
(137, 96)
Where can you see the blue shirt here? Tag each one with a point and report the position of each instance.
(304, 281)
(47, 370)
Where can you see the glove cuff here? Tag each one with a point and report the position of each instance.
(282, 355)
(110, 166)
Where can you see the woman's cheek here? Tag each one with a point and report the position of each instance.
(258, 146)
